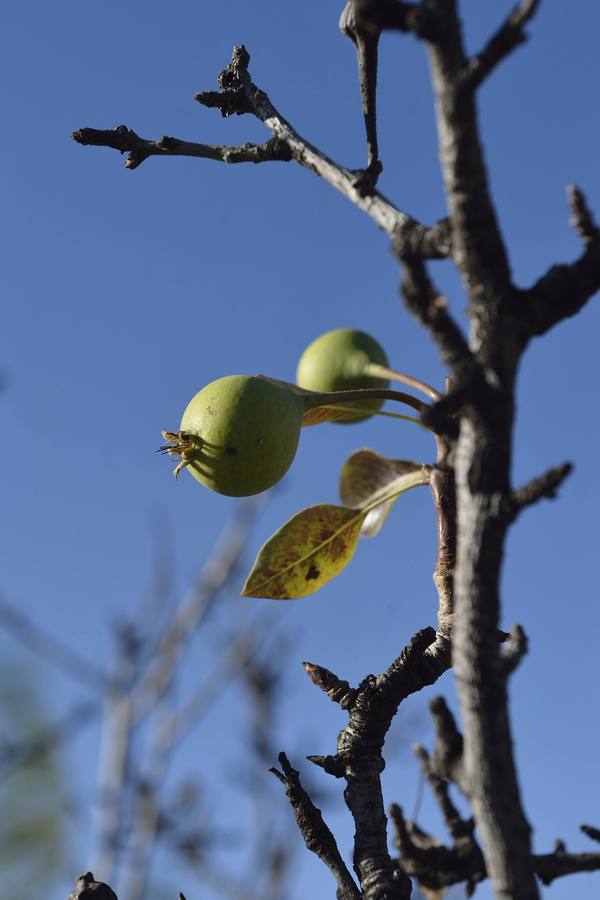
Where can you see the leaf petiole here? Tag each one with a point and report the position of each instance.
(376, 412)
(384, 372)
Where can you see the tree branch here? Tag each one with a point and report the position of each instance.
(336, 689)
(482, 462)
(441, 485)
(371, 708)
(581, 218)
(431, 309)
(456, 825)
(115, 756)
(189, 615)
(363, 21)
(477, 246)
(383, 15)
(593, 833)
(436, 866)
(239, 95)
(565, 289)
(317, 836)
(508, 37)
(514, 650)
(551, 866)
(544, 486)
(51, 649)
(125, 140)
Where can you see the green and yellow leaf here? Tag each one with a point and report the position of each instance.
(307, 552)
(319, 542)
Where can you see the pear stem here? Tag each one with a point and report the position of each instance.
(312, 400)
(383, 372)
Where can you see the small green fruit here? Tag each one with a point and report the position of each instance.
(238, 435)
(338, 361)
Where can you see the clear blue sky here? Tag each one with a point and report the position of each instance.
(125, 292)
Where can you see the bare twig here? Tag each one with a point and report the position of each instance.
(363, 21)
(336, 689)
(187, 618)
(441, 484)
(315, 832)
(565, 289)
(508, 37)
(371, 708)
(125, 140)
(51, 649)
(581, 218)
(551, 866)
(448, 754)
(115, 759)
(240, 95)
(431, 309)
(147, 801)
(436, 866)
(593, 833)
(514, 649)
(330, 764)
(456, 825)
(237, 656)
(544, 486)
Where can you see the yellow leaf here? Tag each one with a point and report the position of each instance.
(307, 552)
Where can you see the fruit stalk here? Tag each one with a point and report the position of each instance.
(379, 371)
(312, 400)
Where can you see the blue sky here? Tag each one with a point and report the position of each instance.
(128, 291)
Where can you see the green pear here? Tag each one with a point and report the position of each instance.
(338, 361)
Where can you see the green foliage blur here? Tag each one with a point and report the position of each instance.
(34, 824)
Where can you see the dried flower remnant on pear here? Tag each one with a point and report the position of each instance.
(238, 435)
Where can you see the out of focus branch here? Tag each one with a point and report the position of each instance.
(51, 649)
(565, 289)
(189, 615)
(436, 866)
